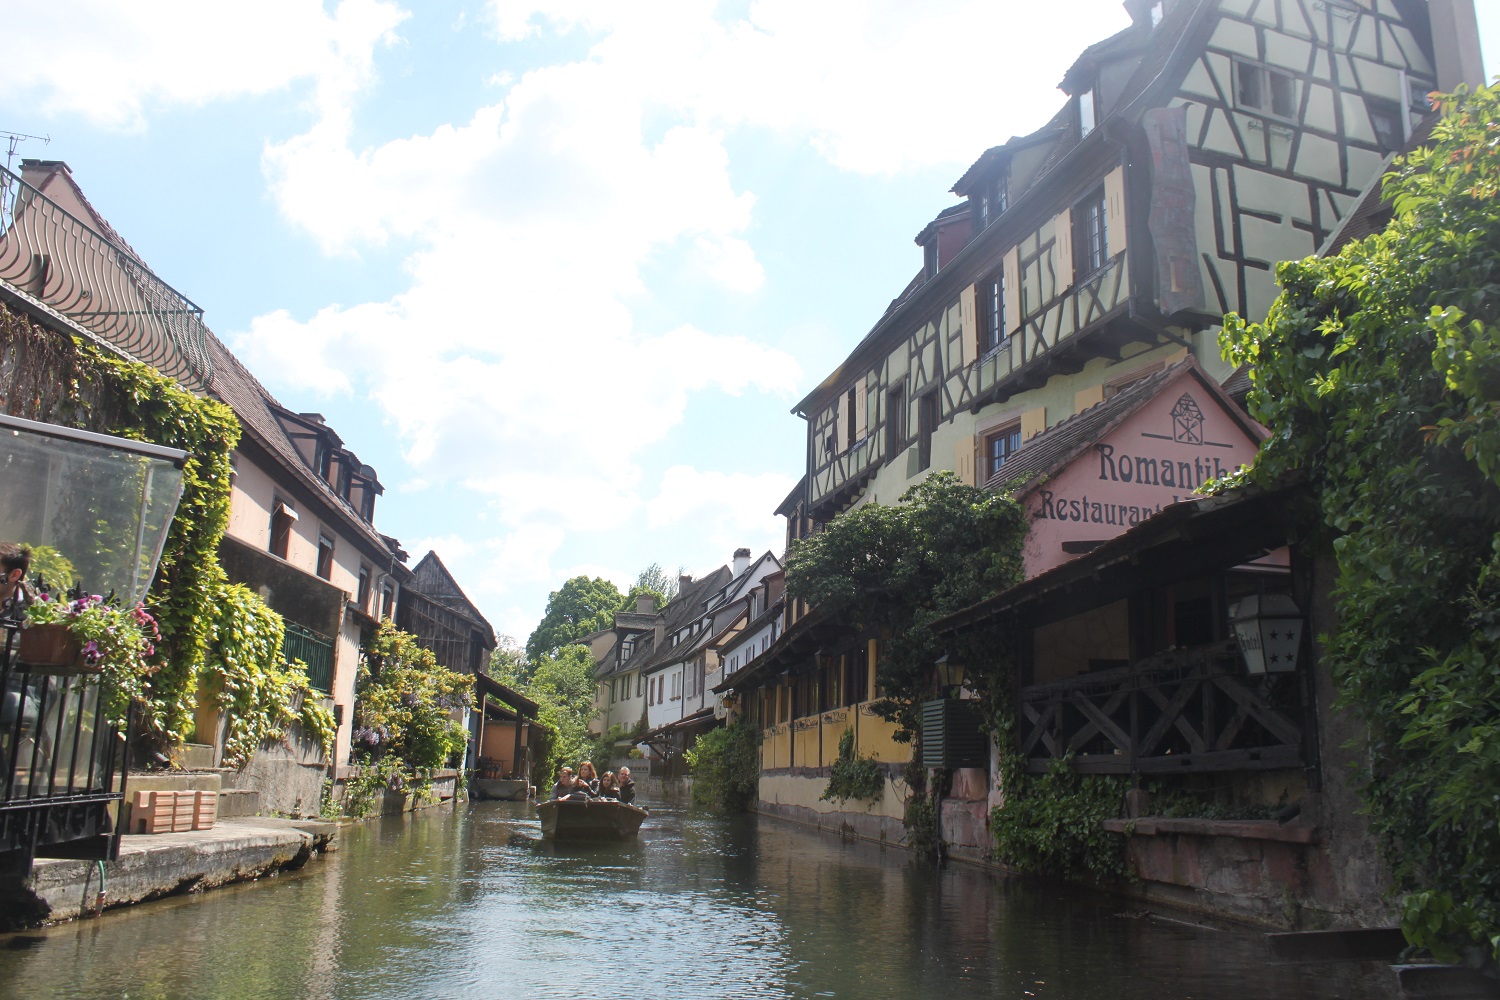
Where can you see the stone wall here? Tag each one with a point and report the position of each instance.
(795, 797)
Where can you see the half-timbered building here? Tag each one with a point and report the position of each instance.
(1194, 150)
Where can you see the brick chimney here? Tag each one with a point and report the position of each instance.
(683, 581)
(741, 561)
(645, 604)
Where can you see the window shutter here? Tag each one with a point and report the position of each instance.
(963, 460)
(861, 409)
(1062, 250)
(1012, 293)
(969, 317)
(1033, 422)
(844, 421)
(1114, 210)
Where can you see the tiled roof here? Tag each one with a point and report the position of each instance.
(685, 608)
(1060, 444)
(233, 384)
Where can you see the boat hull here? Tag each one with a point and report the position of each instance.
(598, 819)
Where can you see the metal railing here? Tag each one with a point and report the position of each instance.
(99, 283)
(315, 650)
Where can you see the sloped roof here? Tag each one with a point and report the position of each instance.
(686, 607)
(233, 384)
(1060, 444)
(433, 580)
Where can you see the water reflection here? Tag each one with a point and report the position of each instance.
(477, 905)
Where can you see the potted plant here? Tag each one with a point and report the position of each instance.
(85, 634)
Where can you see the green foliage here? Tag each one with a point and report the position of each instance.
(1378, 375)
(245, 675)
(563, 686)
(580, 607)
(1053, 824)
(651, 582)
(920, 817)
(604, 746)
(894, 570)
(404, 703)
(852, 776)
(508, 663)
(119, 641)
(53, 567)
(725, 764)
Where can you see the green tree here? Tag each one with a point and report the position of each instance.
(563, 686)
(894, 570)
(654, 582)
(405, 704)
(1378, 373)
(508, 662)
(580, 607)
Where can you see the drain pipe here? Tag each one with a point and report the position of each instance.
(102, 894)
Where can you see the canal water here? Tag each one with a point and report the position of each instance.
(473, 904)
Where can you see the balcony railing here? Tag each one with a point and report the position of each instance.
(1187, 710)
(99, 283)
(313, 649)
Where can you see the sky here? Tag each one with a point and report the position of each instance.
(559, 271)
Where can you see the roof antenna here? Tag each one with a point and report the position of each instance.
(14, 139)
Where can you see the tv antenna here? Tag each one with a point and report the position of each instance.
(14, 139)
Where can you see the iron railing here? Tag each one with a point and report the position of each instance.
(99, 283)
(61, 762)
(315, 650)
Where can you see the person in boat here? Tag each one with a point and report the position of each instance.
(565, 784)
(588, 778)
(624, 786)
(607, 789)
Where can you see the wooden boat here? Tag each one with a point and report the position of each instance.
(505, 789)
(595, 819)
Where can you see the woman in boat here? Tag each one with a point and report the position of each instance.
(607, 789)
(624, 787)
(588, 778)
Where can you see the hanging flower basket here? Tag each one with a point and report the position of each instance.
(53, 648)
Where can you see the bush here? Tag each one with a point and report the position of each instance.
(725, 764)
(853, 777)
(1054, 824)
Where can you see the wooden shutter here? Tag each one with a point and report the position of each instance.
(1114, 211)
(842, 423)
(963, 460)
(1062, 250)
(1012, 293)
(1033, 422)
(861, 409)
(969, 318)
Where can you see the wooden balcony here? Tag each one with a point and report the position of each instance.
(1185, 710)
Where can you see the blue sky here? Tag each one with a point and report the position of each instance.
(558, 271)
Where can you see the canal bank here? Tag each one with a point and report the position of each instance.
(472, 903)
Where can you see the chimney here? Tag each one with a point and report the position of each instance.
(645, 604)
(1455, 43)
(741, 561)
(683, 581)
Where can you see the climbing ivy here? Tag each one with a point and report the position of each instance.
(75, 383)
(1378, 374)
(852, 776)
(245, 675)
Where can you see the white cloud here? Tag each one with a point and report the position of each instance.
(110, 61)
(726, 510)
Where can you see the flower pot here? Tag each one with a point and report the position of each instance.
(54, 649)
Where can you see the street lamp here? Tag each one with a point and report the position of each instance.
(1269, 630)
(950, 676)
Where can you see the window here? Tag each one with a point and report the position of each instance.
(1088, 113)
(1120, 383)
(387, 601)
(993, 199)
(640, 685)
(1000, 445)
(1090, 242)
(1385, 119)
(282, 517)
(991, 307)
(930, 257)
(362, 598)
(895, 420)
(1263, 89)
(325, 556)
(927, 420)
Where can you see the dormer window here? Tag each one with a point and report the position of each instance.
(930, 257)
(993, 199)
(1088, 113)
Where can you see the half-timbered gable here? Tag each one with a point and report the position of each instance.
(1196, 149)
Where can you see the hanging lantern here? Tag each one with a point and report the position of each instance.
(1269, 630)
